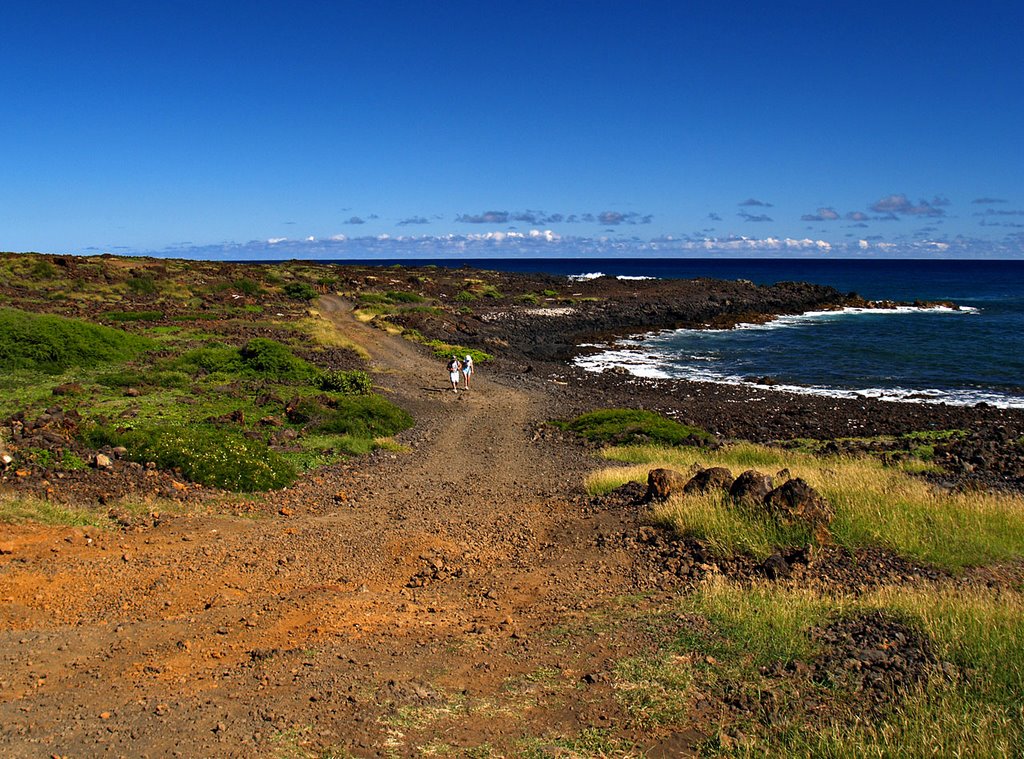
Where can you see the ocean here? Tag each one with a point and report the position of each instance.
(966, 356)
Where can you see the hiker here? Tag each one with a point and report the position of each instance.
(454, 368)
(467, 369)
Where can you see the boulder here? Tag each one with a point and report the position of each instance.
(715, 478)
(103, 461)
(796, 502)
(775, 567)
(750, 488)
(662, 483)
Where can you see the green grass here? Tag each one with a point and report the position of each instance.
(443, 350)
(875, 505)
(53, 344)
(979, 629)
(625, 426)
(132, 316)
(19, 510)
(654, 689)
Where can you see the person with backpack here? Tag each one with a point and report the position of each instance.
(453, 372)
(467, 369)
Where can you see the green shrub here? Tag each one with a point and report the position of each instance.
(210, 359)
(366, 416)
(120, 378)
(528, 298)
(54, 343)
(550, 293)
(246, 286)
(373, 298)
(133, 316)
(400, 296)
(43, 269)
(355, 382)
(629, 426)
(270, 357)
(134, 378)
(465, 296)
(144, 284)
(211, 456)
(444, 350)
(300, 291)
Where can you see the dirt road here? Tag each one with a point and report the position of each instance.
(453, 598)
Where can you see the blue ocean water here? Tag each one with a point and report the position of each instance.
(965, 357)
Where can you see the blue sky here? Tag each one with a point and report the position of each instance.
(257, 129)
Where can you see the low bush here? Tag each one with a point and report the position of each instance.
(42, 269)
(246, 286)
(259, 356)
(54, 343)
(133, 316)
(443, 350)
(365, 416)
(300, 291)
(465, 296)
(355, 382)
(210, 359)
(271, 358)
(134, 378)
(143, 284)
(400, 296)
(628, 426)
(208, 455)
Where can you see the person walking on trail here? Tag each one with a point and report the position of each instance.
(453, 373)
(467, 369)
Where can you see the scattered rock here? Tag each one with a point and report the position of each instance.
(750, 488)
(661, 483)
(775, 567)
(714, 478)
(102, 461)
(796, 502)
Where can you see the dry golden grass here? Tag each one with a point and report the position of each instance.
(875, 506)
(323, 332)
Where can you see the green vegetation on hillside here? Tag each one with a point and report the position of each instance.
(53, 343)
(626, 426)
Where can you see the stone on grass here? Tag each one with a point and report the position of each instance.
(750, 488)
(662, 483)
(796, 502)
(715, 478)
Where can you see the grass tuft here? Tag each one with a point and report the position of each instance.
(626, 426)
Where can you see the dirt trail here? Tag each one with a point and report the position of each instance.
(446, 598)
